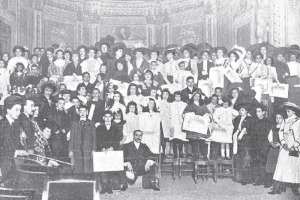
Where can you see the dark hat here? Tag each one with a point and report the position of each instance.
(13, 100)
(281, 50)
(143, 50)
(202, 51)
(292, 106)
(171, 48)
(222, 48)
(49, 84)
(203, 46)
(18, 47)
(111, 39)
(154, 49)
(93, 48)
(82, 46)
(234, 51)
(294, 52)
(262, 107)
(117, 46)
(66, 92)
(294, 47)
(102, 42)
(191, 48)
(257, 53)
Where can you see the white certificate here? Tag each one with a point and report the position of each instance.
(122, 87)
(216, 75)
(72, 82)
(206, 87)
(109, 161)
(278, 90)
(195, 123)
(232, 76)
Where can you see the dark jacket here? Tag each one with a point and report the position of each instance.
(186, 92)
(9, 143)
(28, 128)
(99, 110)
(89, 87)
(82, 143)
(200, 70)
(108, 138)
(137, 157)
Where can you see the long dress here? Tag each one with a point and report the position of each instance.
(149, 123)
(132, 124)
(177, 109)
(242, 159)
(165, 114)
(288, 167)
(273, 152)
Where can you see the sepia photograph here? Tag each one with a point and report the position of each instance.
(149, 99)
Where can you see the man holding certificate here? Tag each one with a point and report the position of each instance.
(108, 137)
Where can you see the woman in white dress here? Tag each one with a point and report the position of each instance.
(57, 68)
(149, 123)
(288, 165)
(91, 65)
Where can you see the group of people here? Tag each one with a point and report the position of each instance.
(60, 127)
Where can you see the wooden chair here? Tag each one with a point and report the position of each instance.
(225, 168)
(205, 169)
(168, 165)
(9, 193)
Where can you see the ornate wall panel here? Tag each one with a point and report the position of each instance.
(59, 33)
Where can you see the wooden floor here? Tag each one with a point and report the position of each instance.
(186, 189)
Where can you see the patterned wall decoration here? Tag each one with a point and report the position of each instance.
(183, 34)
(59, 33)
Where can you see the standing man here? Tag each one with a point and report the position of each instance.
(82, 142)
(259, 132)
(108, 139)
(60, 122)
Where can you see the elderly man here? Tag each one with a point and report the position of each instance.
(139, 160)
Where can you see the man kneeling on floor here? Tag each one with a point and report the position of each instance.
(139, 161)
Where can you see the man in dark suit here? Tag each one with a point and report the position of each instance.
(86, 83)
(139, 62)
(188, 92)
(139, 160)
(108, 138)
(26, 123)
(204, 66)
(46, 60)
(82, 142)
(60, 126)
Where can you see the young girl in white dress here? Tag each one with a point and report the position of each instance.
(149, 123)
(165, 114)
(117, 103)
(132, 121)
(223, 118)
(177, 135)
